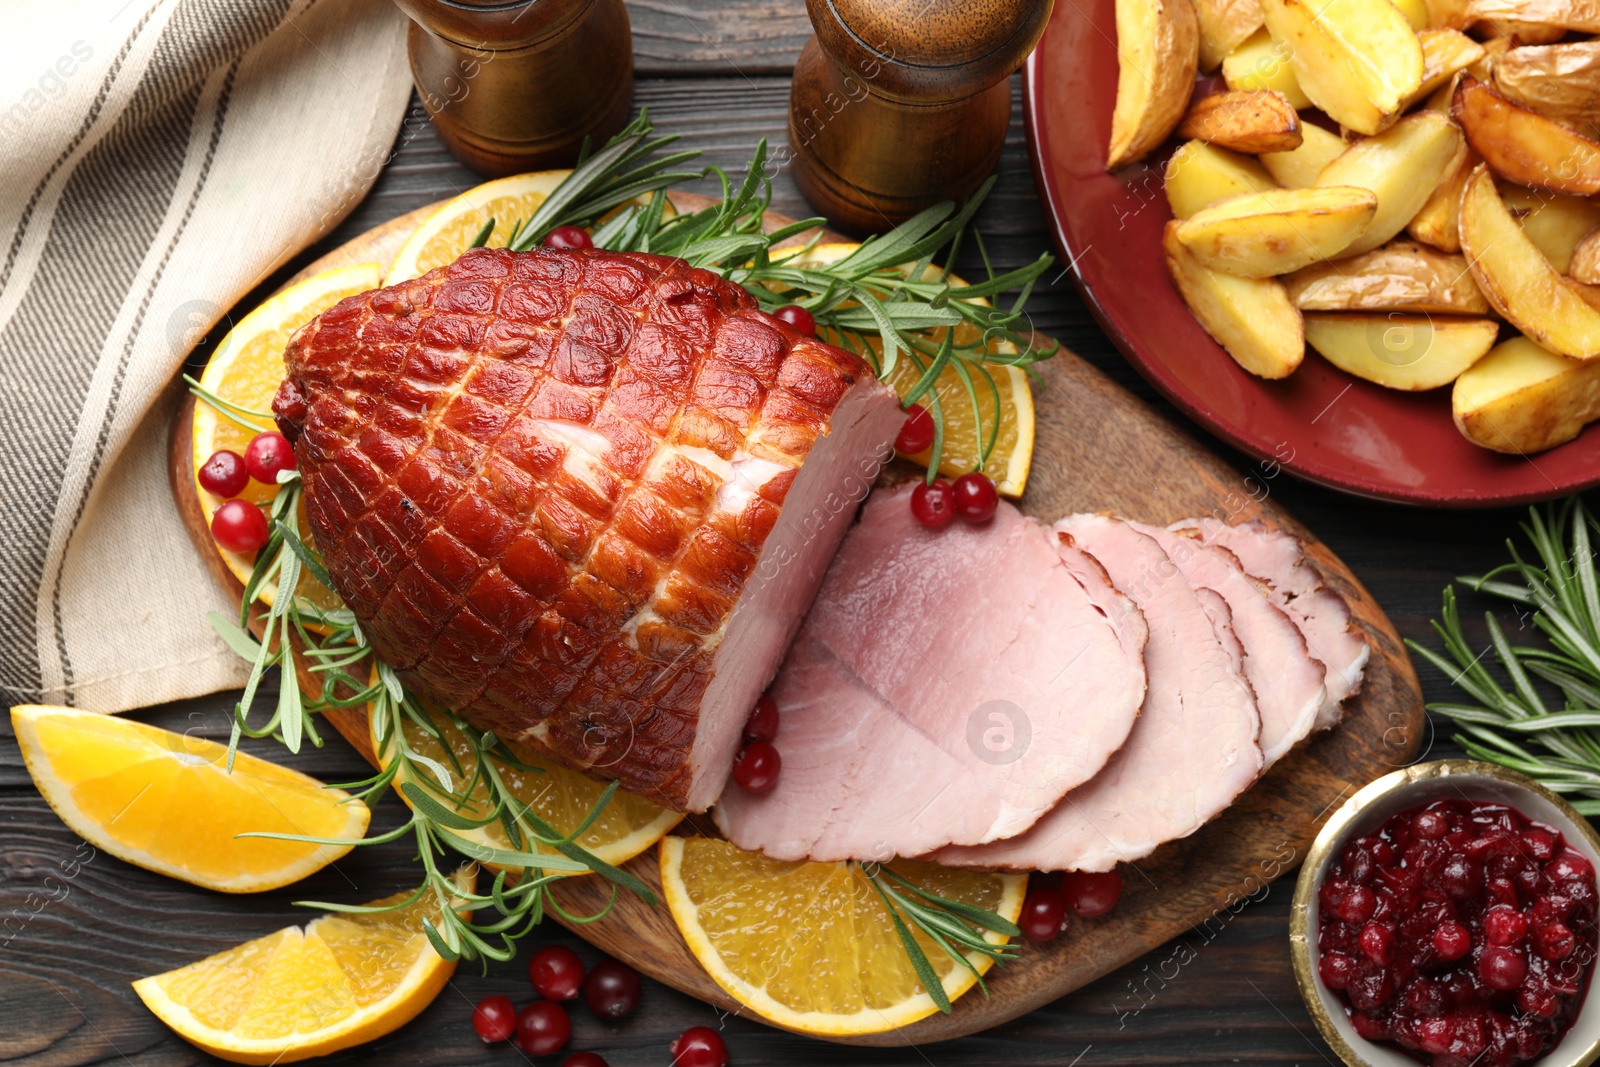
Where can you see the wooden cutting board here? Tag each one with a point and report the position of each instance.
(1098, 448)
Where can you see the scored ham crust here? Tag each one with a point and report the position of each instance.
(582, 498)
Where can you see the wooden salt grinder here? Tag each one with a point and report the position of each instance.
(516, 86)
(899, 104)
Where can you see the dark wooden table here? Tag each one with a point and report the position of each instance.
(715, 71)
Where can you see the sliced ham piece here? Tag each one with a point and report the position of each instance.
(948, 687)
(1293, 584)
(1286, 678)
(1193, 750)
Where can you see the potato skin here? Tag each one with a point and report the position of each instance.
(1400, 276)
(1158, 55)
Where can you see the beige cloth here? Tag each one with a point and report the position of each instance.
(157, 161)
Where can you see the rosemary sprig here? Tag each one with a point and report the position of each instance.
(955, 927)
(1514, 723)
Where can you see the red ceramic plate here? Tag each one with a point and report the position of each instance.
(1319, 422)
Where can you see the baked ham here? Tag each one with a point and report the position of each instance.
(948, 686)
(583, 498)
(1194, 749)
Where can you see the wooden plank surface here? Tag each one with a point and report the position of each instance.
(76, 927)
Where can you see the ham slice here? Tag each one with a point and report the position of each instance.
(1287, 680)
(947, 687)
(1193, 750)
(1278, 560)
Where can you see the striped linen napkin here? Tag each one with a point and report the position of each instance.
(158, 159)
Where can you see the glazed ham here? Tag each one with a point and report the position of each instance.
(948, 686)
(1194, 749)
(582, 498)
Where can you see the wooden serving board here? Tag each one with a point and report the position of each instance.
(1098, 448)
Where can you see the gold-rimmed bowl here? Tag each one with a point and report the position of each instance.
(1366, 811)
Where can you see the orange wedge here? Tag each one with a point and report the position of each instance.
(167, 802)
(811, 946)
(340, 981)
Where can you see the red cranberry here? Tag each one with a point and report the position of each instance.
(1569, 867)
(494, 1019)
(585, 1059)
(1430, 825)
(763, 722)
(976, 497)
(1092, 893)
(1336, 969)
(1461, 878)
(756, 767)
(224, 474)
(934, 505)
(799, 319)
(699, 1046)
(543, 1028)
(1368, 1027)
(1502, 968)
(568, 237)
(1531, 1000)
(1541, 844)
(1368, 991)
(612, 990)
(1554, 941)
(917, 433)
(1425, 998)
(556, 972)
(239, 526)
(1451, 940)
(1044, 913)
(267, 454)
(1376, 941)
(1504, 926)
(1357, 905)
(1435, 1035)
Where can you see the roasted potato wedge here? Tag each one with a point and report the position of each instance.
(1262, 63)
(1358, 60)
(1554, 222)
(1158, 47)
(1253, 121)
(1524, 146)
(1444, 54)
(1415, 11)
(1251, 318)
(1520, 398)
(1558, 80)
(1299, 167)
(1583, 15)
(1200, 174)
(1408, 352)
(1516, 277)
(1448, 14)
(1585, 263)
(1402, 166)
(1258, 235)
(1438, 222)
(1224, 26)
(1400, 276)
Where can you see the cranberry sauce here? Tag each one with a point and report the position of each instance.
(1460, 931)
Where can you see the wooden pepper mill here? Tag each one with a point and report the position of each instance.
(516, 86)
(899, 104)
